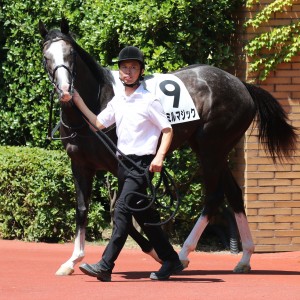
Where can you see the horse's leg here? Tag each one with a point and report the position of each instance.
(247, 243)
(235, 198)
(67, 268)
(214, 195)
(192, 240)
(83, 179)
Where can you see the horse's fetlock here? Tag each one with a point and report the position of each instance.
(248, 248)
(187, 248)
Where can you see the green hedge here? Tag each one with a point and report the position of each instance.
(37, 196)
(37, 201)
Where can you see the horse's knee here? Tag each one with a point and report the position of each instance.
(81, 216)
(82, 210)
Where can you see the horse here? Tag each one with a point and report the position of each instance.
(226, 107)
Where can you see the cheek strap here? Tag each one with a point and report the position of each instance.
(135, 83)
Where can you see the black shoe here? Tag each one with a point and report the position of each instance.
(95, 271)
(168, 268)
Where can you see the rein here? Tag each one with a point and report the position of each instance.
(51, 132)
(164, 178)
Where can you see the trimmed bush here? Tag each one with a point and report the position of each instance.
(37, 198)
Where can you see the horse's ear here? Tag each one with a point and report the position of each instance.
(64, 26)
(43, 30)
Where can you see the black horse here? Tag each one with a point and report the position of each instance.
(226, 107)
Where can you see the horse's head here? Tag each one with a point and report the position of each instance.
(59, 58)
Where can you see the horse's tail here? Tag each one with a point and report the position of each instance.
(277, 135)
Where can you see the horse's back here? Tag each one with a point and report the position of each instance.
(224, 104)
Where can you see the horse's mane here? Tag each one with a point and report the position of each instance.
(101, 74)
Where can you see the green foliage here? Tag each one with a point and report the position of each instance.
(266, 13)
(171, 33)
(37, 200)
(23, 113)
(269, 49)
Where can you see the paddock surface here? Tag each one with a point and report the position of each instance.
(27, 273)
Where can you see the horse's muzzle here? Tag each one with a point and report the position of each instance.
(65, 93)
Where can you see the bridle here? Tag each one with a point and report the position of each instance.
(72, 72)
(58, 90)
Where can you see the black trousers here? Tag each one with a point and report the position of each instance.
(123, 216)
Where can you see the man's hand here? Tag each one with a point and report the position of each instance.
(156, 164)
(158, 161)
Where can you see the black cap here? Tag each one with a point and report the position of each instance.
(131, 52)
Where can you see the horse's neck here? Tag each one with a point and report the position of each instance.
(107, 94)
(94, 93)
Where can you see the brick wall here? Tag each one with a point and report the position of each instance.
(272, 192)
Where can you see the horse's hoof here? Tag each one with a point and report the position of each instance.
(63, 271)
(242, 269)
(185, 263)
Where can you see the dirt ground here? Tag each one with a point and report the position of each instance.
(27, 273)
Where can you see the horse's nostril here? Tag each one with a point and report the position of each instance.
(65, 96)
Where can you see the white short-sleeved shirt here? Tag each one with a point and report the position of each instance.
(139, 119)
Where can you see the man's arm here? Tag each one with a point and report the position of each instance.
(157, 162)
(86, 111)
